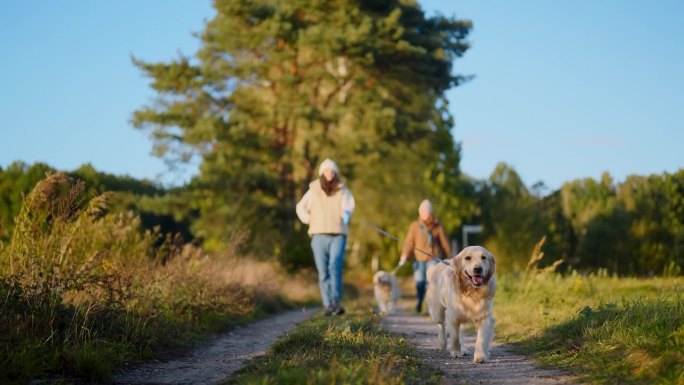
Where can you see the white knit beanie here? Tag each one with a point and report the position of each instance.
(328, 163)
(425, 205)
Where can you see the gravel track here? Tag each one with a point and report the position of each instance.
(228, 353)
(504, 367)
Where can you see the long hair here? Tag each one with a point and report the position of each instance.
(330, 186)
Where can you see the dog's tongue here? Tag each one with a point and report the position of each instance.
(478, 280)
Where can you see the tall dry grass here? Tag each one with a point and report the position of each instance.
(83, 289)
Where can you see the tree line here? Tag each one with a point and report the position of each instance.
(633, 227)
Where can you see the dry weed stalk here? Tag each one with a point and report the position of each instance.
(532, 269)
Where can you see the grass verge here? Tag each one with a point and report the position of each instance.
(607, 330)
(84, 290)
(350, 349)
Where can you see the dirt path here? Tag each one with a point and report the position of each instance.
(227, 354)
(505, 367)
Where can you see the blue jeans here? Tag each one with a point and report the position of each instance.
(420, 275)
(420, 270)
(328, 251)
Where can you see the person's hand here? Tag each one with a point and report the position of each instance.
(402, 260)
(345, 217)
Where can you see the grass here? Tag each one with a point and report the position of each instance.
(83, 290)
(607, 330)
(350, 349)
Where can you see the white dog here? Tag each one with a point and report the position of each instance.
(460, 292)
(386, 291)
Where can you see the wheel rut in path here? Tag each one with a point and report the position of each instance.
(226, 354)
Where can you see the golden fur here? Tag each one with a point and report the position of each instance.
(461, 292)
(386, 290)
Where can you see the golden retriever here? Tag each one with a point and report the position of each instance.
(463, 291)
(386, 290)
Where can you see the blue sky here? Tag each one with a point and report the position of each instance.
(563, 90)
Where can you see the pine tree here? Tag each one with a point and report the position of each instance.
(278, 86)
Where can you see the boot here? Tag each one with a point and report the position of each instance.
(420, 292)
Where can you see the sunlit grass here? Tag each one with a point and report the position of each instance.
(606, 329)
(350, 349)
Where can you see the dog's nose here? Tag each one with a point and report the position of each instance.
(477, 270)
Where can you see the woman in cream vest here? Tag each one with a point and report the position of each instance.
(326, 208)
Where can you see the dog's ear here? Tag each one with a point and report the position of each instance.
(459, 278)
(492, 266)
(457, 262)
(491, 283)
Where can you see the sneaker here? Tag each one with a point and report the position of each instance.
(328, 311)
(339, 310)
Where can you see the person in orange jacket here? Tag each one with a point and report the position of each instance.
(428, 235)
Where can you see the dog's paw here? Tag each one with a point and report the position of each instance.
(480, 358)
(457, 353)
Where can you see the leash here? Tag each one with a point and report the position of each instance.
(383, 232)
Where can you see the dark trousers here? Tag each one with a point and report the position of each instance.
(420, 293)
